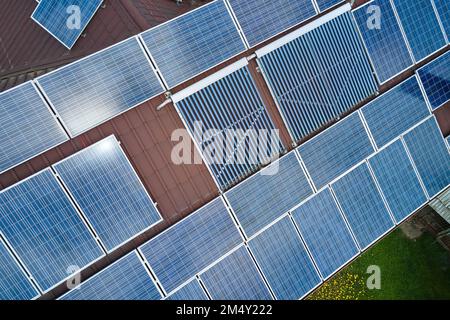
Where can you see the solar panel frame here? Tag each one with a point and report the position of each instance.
(324, 5)
(95, 222)
(51, 115)
(191, 291)
(70, 44)
(77, 216)
(41, 86)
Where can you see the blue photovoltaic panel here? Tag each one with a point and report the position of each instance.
(363, 205)
(320, 75)
(262, 19)
(45, 230)
(324, 230)
(109, 192)
(421, 27)
(430, 155)
(180, 252)
(235, 278)
(191, 291)
(326, 4)
(27, 127)
(95, 89)
(193, 43)
(398, 181)
(284, 261)
(336, 150)
(230, 104)
(14, 284)
(56, 16)
(125, 279)
(395, 111)
(385, 42)
(443, 9)
(435, 77)
(270, 193)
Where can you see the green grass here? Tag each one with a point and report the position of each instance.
(410, 269)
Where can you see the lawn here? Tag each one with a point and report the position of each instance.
(410, 269)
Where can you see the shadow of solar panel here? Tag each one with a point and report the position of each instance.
(421, 27)
(235, 278)
(327, 4)
(183, 250)
(45, 230)
(395, 174)
(101, 86)
(395, 111)
(263, 19)
(284, 261)
(14, 283)
(443, 9)
(325, 233)
(435, 78)
(363, 205)
(109, 192)
(125, 279)
(27, 126)
(267, 195)
(65, 19)
(231, 126)
(430, 155)
(336, 150)
(193, 43)
(320, 75)
(191, 291)
(385, 42)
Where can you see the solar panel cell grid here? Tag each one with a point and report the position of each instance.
(384, 41)
(193, 43)
(99, 87)
(284, 261)
(363, 205)
(109, 192)
(45, 230)
(191, 291)
(235, 278)
(126, 279)
(398, 181)
(318, 217)
(327, 4)
(443, 9)
(27, 126)
(267, 195)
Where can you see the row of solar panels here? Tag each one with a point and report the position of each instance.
(66, 217)
(305, 216)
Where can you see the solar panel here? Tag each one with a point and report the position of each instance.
(430, 155)
(125, 279)
(435, 78)
(191, 291)
(398, 181)
(65, 19)
(189, 246)
(327, 4)
(336, 150)
(284, 261)
(395, 111)
(325, 232)
(384, 41)
(421, 27)
(231, 126)
(45, 230)
(14, 283)
(235, 278)
(263, 19)
(267, 195)
(363, 205)
(194, 42)
(320, 74)
(27, 126)
(101, 86)
(443, 9)
(107, 189)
